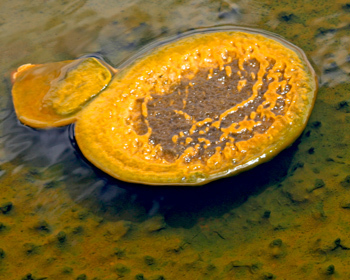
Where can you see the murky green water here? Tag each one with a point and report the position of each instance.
(286, 219)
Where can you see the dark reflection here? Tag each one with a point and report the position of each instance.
(38, 148)
(55, 161)
(183, 206)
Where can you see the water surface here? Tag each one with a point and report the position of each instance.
(286, 219)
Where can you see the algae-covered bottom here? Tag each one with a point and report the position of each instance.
(202, 107)
(67, 223)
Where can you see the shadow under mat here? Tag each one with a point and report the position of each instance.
(55, 149)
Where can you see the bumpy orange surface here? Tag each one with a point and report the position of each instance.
(52, 94)
(200, 108)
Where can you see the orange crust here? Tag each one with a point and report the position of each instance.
(106, 134)
(52, 94)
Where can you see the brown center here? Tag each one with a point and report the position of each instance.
(202, 100)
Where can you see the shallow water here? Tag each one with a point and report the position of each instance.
(286, 219)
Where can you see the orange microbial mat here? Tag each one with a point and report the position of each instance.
(198, 108)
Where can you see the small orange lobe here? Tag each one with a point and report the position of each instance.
(52, 94)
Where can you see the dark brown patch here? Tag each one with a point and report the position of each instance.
(206, 98)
